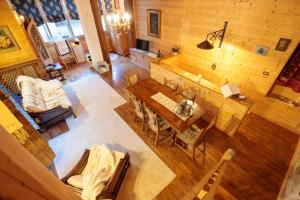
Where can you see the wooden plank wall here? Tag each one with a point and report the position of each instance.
(171, 24)
(25, 53)
(251, 23)
(23, 177)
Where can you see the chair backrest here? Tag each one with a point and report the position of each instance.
(152, 118)
(132, 78)
(138, 107)
(62, 47)
(189, 93)
(171, 84)
(203, 132)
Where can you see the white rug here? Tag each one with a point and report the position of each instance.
(97, 123)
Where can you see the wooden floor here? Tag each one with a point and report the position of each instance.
(263, 149)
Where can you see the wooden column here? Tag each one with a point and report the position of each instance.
(24, 177)
(128, 4)
(100, 31)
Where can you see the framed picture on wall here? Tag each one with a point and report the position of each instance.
(283, 44)
(7, 41)
(153, 22)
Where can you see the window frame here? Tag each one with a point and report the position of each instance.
(46, 26)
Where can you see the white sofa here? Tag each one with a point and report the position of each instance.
(39, 95)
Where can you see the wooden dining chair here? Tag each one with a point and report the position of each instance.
(171, 84)
(139, 112)
(132, 78)
(192, 138)
(157, 125)
(189, 93)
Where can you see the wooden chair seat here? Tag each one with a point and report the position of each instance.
(192, 138)
(112, 187)
(190, 135)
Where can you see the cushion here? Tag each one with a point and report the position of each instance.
(49, 95)
(75, 181)
(190, 135)
(39, 95)
(59, 101)
(32, 104)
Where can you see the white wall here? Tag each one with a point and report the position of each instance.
(85, 13)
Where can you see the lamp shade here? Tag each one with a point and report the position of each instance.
(205, 45)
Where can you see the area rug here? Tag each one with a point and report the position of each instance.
(97, 123)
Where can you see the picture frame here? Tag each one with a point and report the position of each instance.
(261, 50)
(283, 44)
(7, 40)
(154, 23)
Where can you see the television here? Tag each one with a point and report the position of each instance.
(142, 44)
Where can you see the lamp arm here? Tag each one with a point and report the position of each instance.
(220, 33)
(223, 34)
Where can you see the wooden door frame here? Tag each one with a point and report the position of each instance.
(100, 31)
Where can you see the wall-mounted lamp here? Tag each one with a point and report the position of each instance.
(208, 43)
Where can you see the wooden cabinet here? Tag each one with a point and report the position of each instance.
(142, 58)
(119, 42)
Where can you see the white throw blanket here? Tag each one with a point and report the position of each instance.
(100, 167)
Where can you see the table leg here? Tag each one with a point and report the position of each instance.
(61, 75)
(173, 138)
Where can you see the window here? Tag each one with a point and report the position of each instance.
(59, 30)
(62, 17)
(76, 27)
(44, 33)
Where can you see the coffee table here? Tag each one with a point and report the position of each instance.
(55, 71)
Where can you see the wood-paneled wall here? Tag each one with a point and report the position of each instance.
(251, 23)
(25, 53)
(171, 24)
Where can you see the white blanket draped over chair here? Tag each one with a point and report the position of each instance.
(100, 167)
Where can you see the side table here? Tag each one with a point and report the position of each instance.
(55, 71)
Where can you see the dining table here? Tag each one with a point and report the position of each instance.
(145, 89)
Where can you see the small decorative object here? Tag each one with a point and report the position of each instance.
(153, 22)
(7, 41)
(208, 43)
(102, 67)
(242, 97)
(199, 77)
(185, 108)
(230, 89)
(76, 42)
(159, 54)
(282, 44)
(261, 50)
(175, 50)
